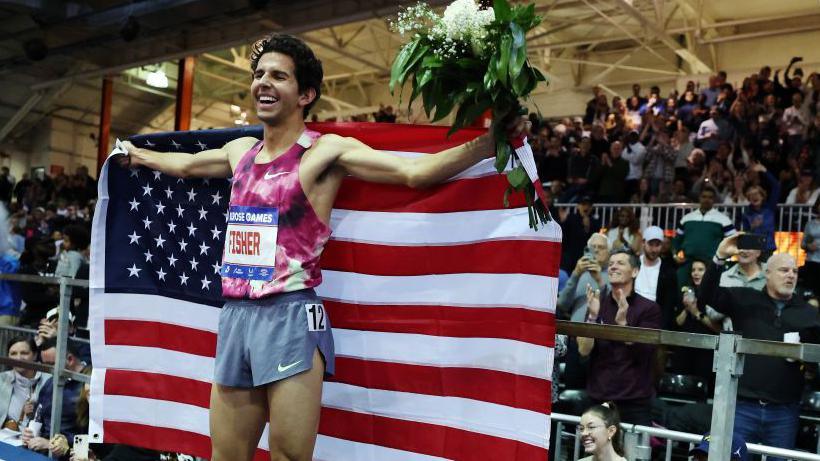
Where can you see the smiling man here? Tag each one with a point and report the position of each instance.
(274, 342)
(769, 390)
(621, 372)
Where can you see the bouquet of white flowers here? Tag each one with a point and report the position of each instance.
(471, 60)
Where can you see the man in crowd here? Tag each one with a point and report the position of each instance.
(71, 394)
(577, 228)
(621, 372)
(699, 233)
(805, 192)
(634, 153)
(581, 166)
(572, 301)
(656, 280)
(611, 175)
(770, 388)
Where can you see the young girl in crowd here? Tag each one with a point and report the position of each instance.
(601, 434)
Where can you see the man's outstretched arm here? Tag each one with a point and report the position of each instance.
(212, 163)
(364, 162)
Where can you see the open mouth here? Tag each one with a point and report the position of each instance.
(266, 101)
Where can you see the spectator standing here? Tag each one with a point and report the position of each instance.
(581, 166)
(699, 233)
(660, 166)
(805, 192)
(75, 251)
(624, 231)
(611, 175)
(577, 228)
(656, 279)
(795, 122)
(633, 152)
(572, 300)
(770, 388)
(692, 318)
(709, 133)
(621, 372)
(758, 218)
(810, 275)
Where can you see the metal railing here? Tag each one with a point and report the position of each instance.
(788, 218)
(730, 349)
(58, 371)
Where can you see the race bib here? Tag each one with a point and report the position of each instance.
(250, 243)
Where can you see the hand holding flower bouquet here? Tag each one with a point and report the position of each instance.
(471, 60)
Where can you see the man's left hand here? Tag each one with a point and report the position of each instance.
(623, 306)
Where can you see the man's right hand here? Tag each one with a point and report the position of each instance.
(581, 266)
(593, 302)
(728, 246)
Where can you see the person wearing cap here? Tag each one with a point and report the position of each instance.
(657, 279)
(701, 452)
(805, 192)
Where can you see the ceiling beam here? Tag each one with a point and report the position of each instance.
(617, 65)
(345, 53)
(695, 63)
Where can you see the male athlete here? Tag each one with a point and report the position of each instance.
(274, 343)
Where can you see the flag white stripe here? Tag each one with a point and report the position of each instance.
(405, 229)
(504, 355)
(471, 415)
(157, 360)
(485, 167)
(475, 290)
(154, 308)
(333, 449)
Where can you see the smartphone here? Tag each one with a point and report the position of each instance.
(81, 446)
(589, 254)
(750, 242)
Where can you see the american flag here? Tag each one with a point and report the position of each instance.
(442, 303)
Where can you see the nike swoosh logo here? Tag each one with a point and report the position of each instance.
(286, 368)
(271, 176)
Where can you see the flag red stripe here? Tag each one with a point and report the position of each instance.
(460, 322)
(469, 194)
(492, 257)
(497, 387)
(158, 387)
(429, 439)
(406, 138)
(164, 439)
(120, 332)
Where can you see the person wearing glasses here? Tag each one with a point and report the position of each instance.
(770, 388)
(601, 434)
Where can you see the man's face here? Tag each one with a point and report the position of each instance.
(748, 256)
(781, 275)
(707, 199)
(755, 197)
(275, 89)
(584, 208)
(620, 270)
(599, 246)
(652, 249)
(616, 149)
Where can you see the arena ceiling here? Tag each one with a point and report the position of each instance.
(53, 53)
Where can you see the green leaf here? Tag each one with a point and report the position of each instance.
(504, 60)
(520, 83)
(444, 105)
(430, 95)
(502, 154)
(400, 63)
(502, 10)
(412, 62)
(431, 62)
(517, 35)
(518, 178)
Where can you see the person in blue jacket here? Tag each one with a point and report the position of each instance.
(759, 216)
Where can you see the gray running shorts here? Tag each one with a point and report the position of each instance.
(261, 341)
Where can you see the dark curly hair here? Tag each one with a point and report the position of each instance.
(308, 70)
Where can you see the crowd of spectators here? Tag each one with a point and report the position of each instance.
(667, 146)
(755, 145)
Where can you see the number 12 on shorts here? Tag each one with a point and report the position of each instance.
(316, 317)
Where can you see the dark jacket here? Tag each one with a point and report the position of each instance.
(667, 295)
(620, 371)
(575, 238)
(754, 315)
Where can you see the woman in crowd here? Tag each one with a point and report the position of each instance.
(692, 319)
(20, 387)
(624, 231)
(601, 435)
(810, 272)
